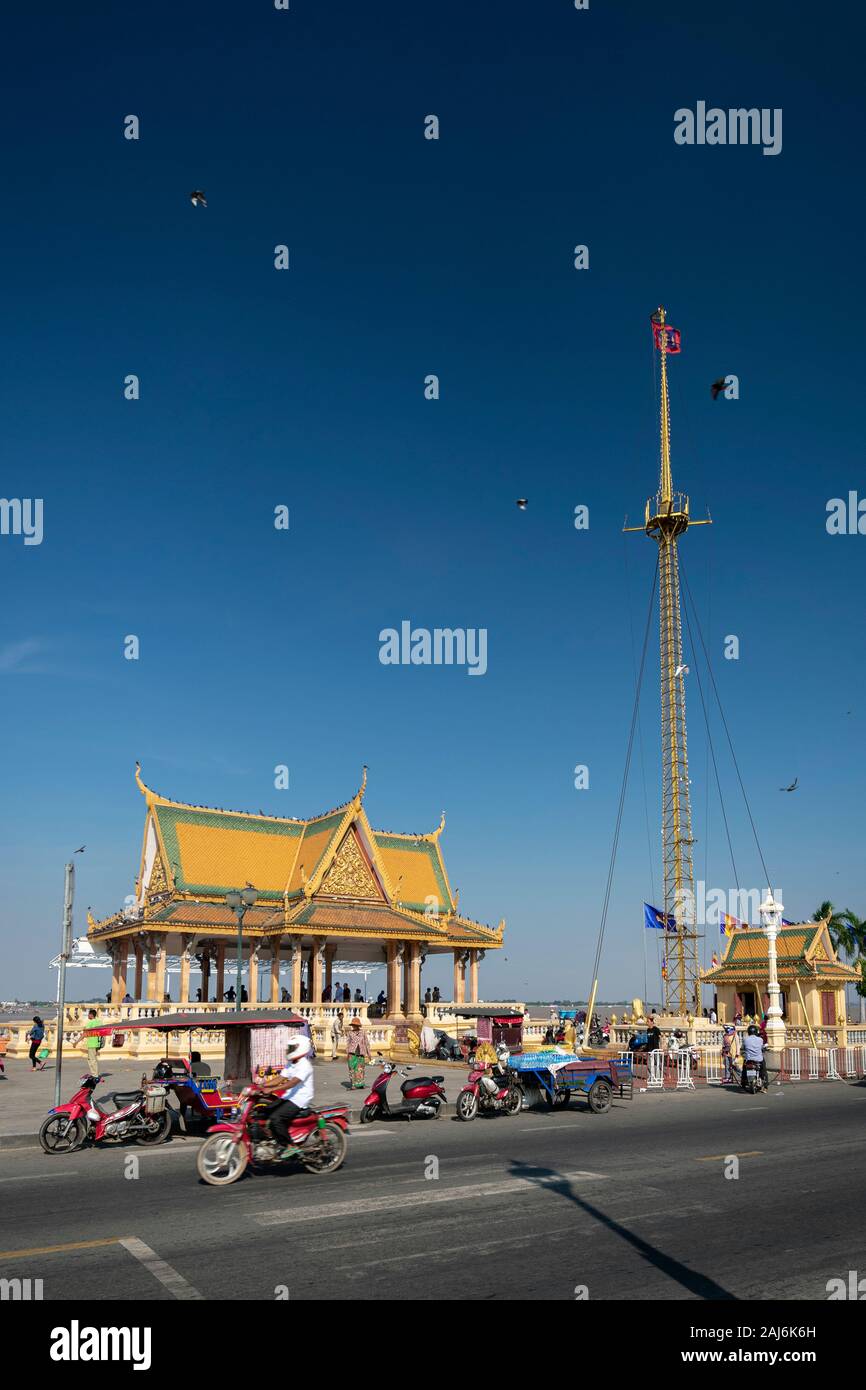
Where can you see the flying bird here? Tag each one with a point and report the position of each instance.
(197, 198)
(81, 850)
(718, 387)
(681, 671)
(792, 788)
(523, 503)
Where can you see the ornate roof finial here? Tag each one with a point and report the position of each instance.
(434, 835)
(363, 785)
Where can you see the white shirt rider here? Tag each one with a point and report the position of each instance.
(301, 1092)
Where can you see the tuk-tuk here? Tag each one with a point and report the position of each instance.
(495, 1026)
(255, 1047)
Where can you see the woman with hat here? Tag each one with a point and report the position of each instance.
(357, 1054)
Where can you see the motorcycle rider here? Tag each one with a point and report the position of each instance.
(753, 1051)
(294, 1089)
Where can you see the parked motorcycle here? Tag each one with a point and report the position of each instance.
(140, 1115)
(423, 1097)
(490, 1089)
(318, 1136)
(447, 1049)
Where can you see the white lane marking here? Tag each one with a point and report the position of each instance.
(35, 1177)
(282, 1216)
(177, 1286)
(742, 1109)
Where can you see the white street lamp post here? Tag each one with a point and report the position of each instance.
(771, 911)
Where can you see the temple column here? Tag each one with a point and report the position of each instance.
(160, 969)
(183, 995)
(153, 996)
(459, 978)
(473, 977)
(297, 959)
(330, 957)
(120, 956)
(412, 981)
(316, 971)
(392, 986)
(275, 971)
(139, 969)
(220, 973)
(253, 971)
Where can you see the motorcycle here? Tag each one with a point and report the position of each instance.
(447, 1049)
(318, 1136)
(422, 1097)
(140, 1115)
(489, 1093)
(755, 1082)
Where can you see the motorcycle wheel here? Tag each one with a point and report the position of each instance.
(158, 1130)
(513, 1101)
(368, 1114)
(221, 1160)
(599, 1097)
(329, 1151)
(467, 1105)
(58, 1138)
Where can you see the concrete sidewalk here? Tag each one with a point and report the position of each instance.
(27, 1096)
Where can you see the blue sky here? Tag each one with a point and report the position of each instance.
(305, 388)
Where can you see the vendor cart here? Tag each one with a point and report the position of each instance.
(557, 1076)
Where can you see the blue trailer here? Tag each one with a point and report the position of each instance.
(560, 1075)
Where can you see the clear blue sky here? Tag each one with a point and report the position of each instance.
(411, 257)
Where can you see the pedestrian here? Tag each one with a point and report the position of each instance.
(714, 1018)
(428, 996)
(36, 1035)
(727, 1051)
(337, 992)
(230, 994)
(436, 994)
(357, 1054)
(336, 1033)
(347, 994)
(93, 1043)
(359, 998)
(284, 996)
(326, 994)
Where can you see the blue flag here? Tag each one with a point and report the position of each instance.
(652, 917)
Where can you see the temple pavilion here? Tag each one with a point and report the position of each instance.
(812, 979)
(328, 889)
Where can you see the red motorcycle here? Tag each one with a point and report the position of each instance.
(318, 1136)
(490, 1089)
(422, 1097)
(140, 1115)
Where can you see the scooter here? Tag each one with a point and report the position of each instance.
(489, 1093)
(139, 1115)
(422, 1097)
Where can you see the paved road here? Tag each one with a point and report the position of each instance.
(632, 1204)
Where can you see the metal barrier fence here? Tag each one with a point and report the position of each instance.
(690, 1069)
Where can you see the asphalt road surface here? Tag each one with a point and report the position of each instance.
(633, 1204)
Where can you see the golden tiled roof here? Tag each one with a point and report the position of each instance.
(203, 852)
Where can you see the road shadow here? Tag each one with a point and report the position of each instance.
(700, 1285)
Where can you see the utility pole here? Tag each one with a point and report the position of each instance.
(65, 952)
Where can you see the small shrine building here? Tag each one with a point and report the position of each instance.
(811, 977)
(329, 888)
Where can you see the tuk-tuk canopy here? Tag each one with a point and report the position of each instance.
(250, 1018)
(489, 1011)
